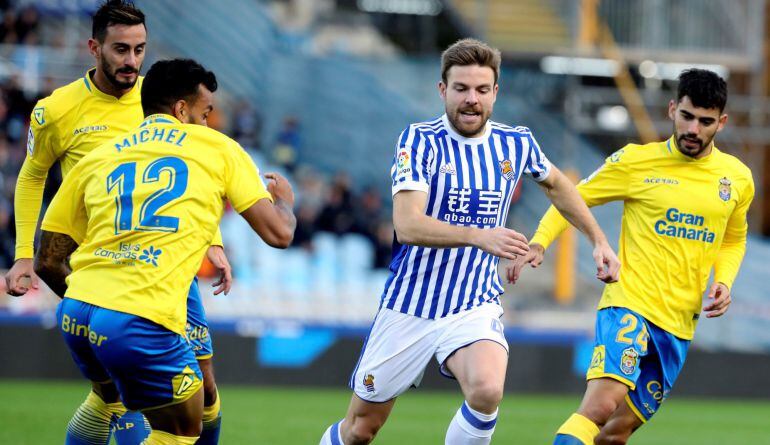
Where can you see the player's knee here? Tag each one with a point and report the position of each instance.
(599, 410)
(485, 396)
(611, 438)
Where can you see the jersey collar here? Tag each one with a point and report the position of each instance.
(133, 95)
(670, 145)
(462, 139)
(160, 118)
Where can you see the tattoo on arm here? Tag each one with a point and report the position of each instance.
(52, 260)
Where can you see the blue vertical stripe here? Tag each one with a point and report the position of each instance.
(412, 278)
(426, 282)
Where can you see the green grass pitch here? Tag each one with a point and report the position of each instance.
(37, 413)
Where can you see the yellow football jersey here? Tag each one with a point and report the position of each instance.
(65, 126)
(143, 209)
(681, 216)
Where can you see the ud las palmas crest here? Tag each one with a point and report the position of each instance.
(628, 361)
(725, 189)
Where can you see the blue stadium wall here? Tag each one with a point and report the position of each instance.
(325, 356)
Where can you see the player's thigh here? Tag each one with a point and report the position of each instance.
(472, 347)
(151, 366)
(394, 356)
(209, 382)
(74, 319)
(658, 373)
(181, 419)
(621, 342)
(623, 422)
(197, 326)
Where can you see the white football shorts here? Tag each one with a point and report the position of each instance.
(399, 347)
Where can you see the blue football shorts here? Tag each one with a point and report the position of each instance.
(634, 351)
(197, 327)
(151, 366)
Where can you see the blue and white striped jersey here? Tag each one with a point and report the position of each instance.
(469, 182)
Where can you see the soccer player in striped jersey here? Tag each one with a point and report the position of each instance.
(684, 213)
(452, 183)
(137, 215)
(66, 126)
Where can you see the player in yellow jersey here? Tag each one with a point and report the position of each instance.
(66, 126)
(137, 215)
(684, 213)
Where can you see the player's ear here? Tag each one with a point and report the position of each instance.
(722, 121)
(442, 89)
(671, 109)
(93, 47)
(181, 110)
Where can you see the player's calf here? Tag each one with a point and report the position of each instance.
(212, 415)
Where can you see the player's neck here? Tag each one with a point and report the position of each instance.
(105, 86)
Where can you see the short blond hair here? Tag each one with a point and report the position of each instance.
(470, 52)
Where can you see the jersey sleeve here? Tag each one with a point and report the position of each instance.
(733, 245)
(43, 144)
(243, 186)
(537, 166)
(411, 162)
(609, 183)
(67, 212)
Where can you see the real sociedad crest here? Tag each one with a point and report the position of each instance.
(725, 190)
(506, 169)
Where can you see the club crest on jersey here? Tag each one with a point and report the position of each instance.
(628, 361)
(448, 169)
(39, 114)
(506, 169)
(369, 383)
(725, 189)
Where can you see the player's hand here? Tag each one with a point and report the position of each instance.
(607, 263)
(216, 255)
(279, 187)
(21, 277)
(720, 294)
(534, 258)
(502, 242)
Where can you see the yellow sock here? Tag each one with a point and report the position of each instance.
(581, 428)
(211, 413)
(163, 438)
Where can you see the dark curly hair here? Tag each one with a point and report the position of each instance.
(115, 12)
(168, 81)
(704, 88)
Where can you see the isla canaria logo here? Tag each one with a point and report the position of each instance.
(725, 189)
(150, 256)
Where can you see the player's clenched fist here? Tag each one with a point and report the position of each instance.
(279, 187)
(502, 242)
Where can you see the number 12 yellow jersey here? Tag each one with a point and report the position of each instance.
(143, 209)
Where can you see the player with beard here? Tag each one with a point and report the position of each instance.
(65, 127)
(684, 212)
(452, 181)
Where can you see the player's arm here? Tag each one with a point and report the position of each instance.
(608, 183)
(414, 227)
(567, 200)
(63, 229)
(274, 221)
(28, 199)
(730, 256)
(51, 260)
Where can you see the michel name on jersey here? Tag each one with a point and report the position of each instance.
(677, 224)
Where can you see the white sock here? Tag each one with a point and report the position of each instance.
(470, 427)
(333, 435)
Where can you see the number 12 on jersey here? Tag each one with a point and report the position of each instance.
(123, 181)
